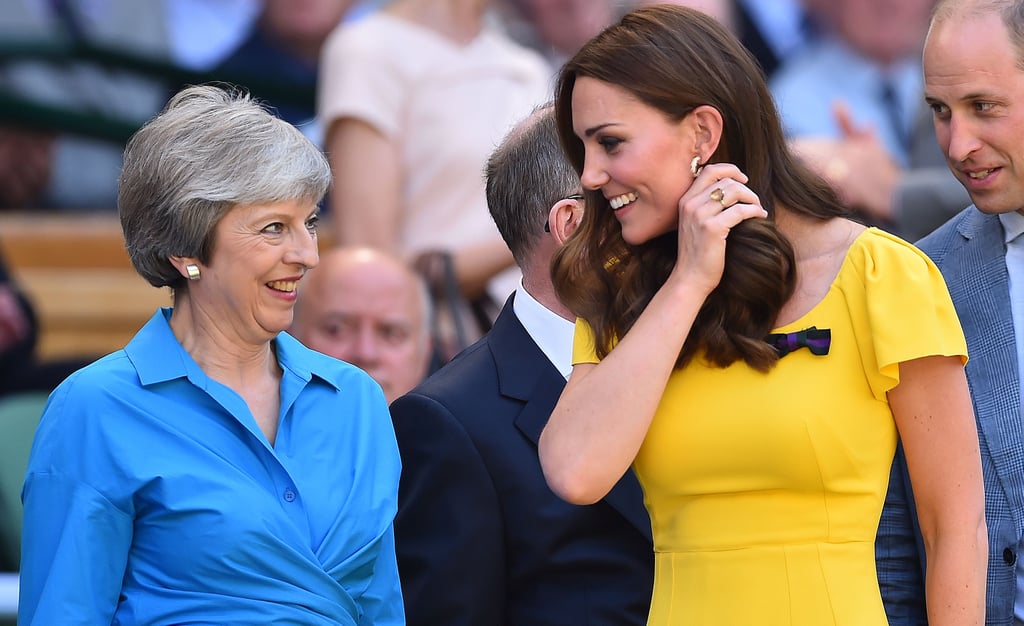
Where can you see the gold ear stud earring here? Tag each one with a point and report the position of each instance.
(695, 166)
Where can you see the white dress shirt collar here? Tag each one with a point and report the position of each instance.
(1013, 225)
(551, 332)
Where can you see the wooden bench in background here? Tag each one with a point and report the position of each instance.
(74, 268)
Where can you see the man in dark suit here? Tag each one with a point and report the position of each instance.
(481, 539)
(975, 85)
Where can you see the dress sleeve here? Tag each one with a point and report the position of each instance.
(359, 79)
(901, 309)
(382, 602)
(584, 348)
(370, 573)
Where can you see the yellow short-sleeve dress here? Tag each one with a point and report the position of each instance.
(765, 489)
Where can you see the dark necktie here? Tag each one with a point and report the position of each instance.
(897, 120)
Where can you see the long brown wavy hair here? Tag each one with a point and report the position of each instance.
(676, 59)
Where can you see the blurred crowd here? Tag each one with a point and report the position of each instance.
(407, 98)
(509, 220)
(78, 76)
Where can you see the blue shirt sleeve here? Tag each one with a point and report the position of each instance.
(140, 453)
(75, 550)
(382, 602)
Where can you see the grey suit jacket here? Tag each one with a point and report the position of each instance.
(970, 252)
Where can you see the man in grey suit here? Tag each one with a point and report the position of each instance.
(481, 539)
(974, 83)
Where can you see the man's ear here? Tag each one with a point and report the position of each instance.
(707, 126)
(564, 217)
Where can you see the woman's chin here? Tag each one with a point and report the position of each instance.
(636, 237)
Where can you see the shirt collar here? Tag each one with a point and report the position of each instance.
(158, 357)
(1013, 226)
(156, 339)
(551, 332)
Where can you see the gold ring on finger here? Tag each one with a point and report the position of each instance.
(718, 196)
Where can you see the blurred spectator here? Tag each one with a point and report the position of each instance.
(77, 78)
(19, 368)
(869, 59)
(722, 10)
(370, 309)
(25, 161)
(853, 103)
(774, 30)
(412, 99)
(203, 32)
(557, 28)
(39, 83)
(361, 8)
(285, 44)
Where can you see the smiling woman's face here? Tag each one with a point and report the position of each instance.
(634, 155)
(260, 254)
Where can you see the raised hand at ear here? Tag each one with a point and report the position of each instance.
(718, 200)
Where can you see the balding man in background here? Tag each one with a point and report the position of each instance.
(370, 309)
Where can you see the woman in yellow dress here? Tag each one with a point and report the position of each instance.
(750, 351)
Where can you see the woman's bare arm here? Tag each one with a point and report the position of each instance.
(935, 418)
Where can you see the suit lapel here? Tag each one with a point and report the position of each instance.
(627, 498)
(526, 374)
(981, 294)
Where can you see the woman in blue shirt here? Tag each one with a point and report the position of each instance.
(215, 470)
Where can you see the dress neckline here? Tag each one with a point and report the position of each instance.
(804, 320)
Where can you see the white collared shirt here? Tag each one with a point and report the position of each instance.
(551, 332)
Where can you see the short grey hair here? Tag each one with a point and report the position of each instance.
(212, 148)
(525, 176)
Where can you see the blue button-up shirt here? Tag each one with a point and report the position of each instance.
(152, 496)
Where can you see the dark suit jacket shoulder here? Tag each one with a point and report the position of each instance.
(480, 537)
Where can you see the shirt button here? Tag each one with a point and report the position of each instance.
(289, 495)
(1009, 557)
